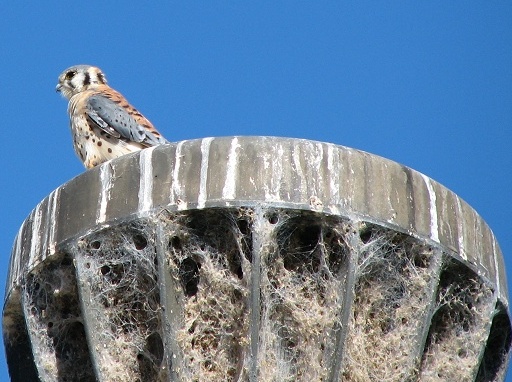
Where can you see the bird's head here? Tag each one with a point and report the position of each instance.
(79, 78)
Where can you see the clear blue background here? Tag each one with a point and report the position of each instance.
(427, 84)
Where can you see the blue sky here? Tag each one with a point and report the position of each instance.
(426, 84)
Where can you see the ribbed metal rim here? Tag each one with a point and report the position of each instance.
(248, 171)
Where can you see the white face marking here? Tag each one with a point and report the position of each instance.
(77, 82)
(78, 79)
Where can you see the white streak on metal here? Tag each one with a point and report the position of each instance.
(320, 157)
(274, 162)
(205, 154)
(496, 265)
(175, 187)
(434, 227)
(460, 230)
(146, 180)
(334, 173)
(313, 158)
(298, 170)
(478, 243)
(35, 243)
(15, 266)
(54, 197)
(393, 192)
(228, 192)
(106, 184)
(46, 224)
(266, 165)
(278, 172)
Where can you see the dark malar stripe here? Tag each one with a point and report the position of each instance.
(87, 79)
(101, 78)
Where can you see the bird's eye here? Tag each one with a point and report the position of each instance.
(70, 75)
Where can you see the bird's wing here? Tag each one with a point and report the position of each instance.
(117, 122)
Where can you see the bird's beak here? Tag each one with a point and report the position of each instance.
(58, 87)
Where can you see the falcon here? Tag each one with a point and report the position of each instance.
(104, 125)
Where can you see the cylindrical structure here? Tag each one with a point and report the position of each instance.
(255, 259)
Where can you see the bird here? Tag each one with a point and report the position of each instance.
(104, 125)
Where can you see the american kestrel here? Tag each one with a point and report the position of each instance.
(103, 123)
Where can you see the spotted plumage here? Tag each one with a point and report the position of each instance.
(103, 124)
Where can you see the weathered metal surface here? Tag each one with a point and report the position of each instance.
(249, 170)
